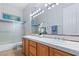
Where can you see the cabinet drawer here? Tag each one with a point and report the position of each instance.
(32, 51)
(32, 43)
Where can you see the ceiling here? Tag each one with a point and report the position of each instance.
(36, 6)
(20, 6)
(42, 6)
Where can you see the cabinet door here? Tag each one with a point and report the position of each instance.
(51, 51)
(57, 52)
(42, 50)
(23, 45)
(32, 43)
(32, 48)
(61, 53)
(32, 51)
(26, 47)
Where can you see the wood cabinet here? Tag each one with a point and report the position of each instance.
(42, 50)
(32, 43)
(32, 51)
(25, 46)
(57, 52)
(51, 51)
(31, 48)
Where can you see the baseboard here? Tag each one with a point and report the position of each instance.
(9, 46)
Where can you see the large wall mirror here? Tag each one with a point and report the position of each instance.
(62, 19)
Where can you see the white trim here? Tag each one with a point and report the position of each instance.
(9, 46)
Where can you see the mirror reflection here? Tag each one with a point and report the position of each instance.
(55, 19)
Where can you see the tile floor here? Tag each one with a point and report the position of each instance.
(12, 52)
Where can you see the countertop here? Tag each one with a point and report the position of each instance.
(67, 46)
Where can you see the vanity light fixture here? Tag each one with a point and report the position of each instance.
(46, 4)
(34, 16)
(38, 10)
(57, 3)
(38, 13)
(49, 7)
(35, 12)
(42, 11)
(49, 3)
(32, 13)
(52, 5)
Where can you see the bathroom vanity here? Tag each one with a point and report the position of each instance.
(41, 46)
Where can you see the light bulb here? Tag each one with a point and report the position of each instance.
(42, 11)
(57, 3)
(39, 9)
(34, 16)
(49, 7)
(34, 13)
(38, 14)
(46, 5)
(52, 5)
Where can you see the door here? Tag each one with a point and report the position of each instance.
(42, 50)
